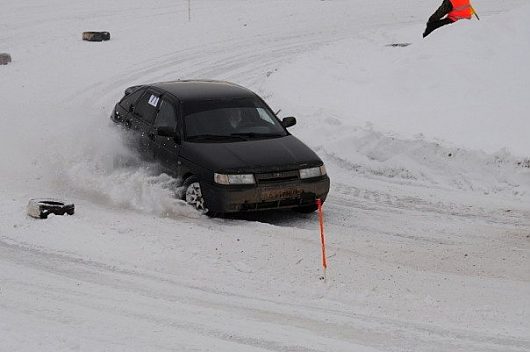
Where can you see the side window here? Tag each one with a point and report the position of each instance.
(167, 116)
(131, 99)
(265, 116)
(147, 106)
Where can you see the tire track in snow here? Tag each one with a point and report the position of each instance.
(159, 290)
(245, 61)
(234, 59)
(355, 197)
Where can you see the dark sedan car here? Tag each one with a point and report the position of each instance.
(226, 145)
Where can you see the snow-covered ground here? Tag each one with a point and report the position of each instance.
(427, 221)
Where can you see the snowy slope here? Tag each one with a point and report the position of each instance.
(466, 84)
(427, 220)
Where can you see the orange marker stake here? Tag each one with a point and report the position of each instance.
(322, 238)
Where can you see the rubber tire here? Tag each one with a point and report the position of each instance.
(187, 183)
(96, 36)
(5, 58)
(41, 208)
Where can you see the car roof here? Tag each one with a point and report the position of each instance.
(196, 90)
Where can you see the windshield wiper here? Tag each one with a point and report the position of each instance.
(258, 135)
(213, 137)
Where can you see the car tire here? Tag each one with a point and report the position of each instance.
(96, 36)
(192, 194)
(41, 208)
(105, 36)
(5, 58)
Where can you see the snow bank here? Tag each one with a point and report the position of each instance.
(466, 84)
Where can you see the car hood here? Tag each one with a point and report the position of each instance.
(262, 155)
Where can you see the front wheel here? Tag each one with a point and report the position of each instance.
(193, 195)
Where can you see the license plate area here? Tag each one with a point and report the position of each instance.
(269, 194)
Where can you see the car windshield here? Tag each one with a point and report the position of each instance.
(230, 120)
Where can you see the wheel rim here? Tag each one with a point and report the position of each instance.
(194, 197)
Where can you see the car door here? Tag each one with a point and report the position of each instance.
(141, 122)
(167, 148)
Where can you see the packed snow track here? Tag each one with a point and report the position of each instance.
(427, 223)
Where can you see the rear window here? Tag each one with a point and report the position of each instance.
(129, 100)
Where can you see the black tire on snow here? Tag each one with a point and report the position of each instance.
(96, 36)
(5, 58)
(41, 208)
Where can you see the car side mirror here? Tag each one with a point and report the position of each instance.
(166, 131)
(288, 122)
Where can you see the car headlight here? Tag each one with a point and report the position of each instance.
(313, 172)
(244, 179)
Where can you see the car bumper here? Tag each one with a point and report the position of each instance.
(293, 194)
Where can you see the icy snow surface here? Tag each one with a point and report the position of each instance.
(427, 221)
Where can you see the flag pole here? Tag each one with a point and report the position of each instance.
(475, 12)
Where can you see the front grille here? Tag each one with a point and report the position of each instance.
(280, 176)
